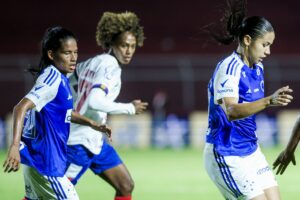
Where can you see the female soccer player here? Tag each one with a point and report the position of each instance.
(46, 112)
(287, 155)
(97, 82)
(233, 159)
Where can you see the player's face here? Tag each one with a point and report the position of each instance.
(65, 57)
(260, 48)
(125, 47)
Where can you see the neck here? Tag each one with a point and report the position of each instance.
(241, 51)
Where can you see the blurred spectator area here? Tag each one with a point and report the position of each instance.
(177, 57)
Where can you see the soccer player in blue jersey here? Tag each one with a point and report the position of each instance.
(287, 155)
(41, 121)
(233, 159)
(97, 83)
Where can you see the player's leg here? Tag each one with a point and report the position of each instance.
(220, 175)
(266, 177)
(78, 161)
(38, 186)
(110, 167)
(235, 176)
(119, 178)
(272, 193)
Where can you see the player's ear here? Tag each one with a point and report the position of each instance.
(50, 55)
(247, 40)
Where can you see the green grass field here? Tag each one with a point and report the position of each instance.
(158, 174)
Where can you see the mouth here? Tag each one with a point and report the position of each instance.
(72, 67)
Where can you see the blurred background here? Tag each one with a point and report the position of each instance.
(171, 72)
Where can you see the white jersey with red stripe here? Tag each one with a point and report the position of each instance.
(96, 84)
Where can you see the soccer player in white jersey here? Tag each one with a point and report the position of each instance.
(97, 82)
(41, 121)
(233, 159)
(287, 155)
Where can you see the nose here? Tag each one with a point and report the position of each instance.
(74, 56)
(130, 50)
(268, 51)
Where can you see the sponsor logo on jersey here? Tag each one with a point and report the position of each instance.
(38, 87)
(70, 96)
(225, 90)
(34, 94)
(263, 170)
(256, 90)
(222, 84)
(68, 116)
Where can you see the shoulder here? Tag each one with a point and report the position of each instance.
(99, 61)
(108, 59)
(49, 76)
(230, 65)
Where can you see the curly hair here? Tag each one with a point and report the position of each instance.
(111, 25)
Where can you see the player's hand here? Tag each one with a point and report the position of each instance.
(281, 97)
(283, 160)
(139, 106)
(12, 162)
(103, 128)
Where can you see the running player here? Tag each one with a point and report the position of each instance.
(46, 112)
(99, 84)
(287, 155)
(233, 159)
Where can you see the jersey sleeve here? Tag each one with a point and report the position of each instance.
(97, 100)
(45, 88)
(226, 81)
(107, 75)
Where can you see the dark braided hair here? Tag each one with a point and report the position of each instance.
(52, 40)
(235, 24)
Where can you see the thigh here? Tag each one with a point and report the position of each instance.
(79, 160)
(265, 176)
(39, 186)
(235, 176)
(221, 174)
(264, 171)
(107, 159)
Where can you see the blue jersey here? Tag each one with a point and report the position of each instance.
(233, 78)
(46, 127)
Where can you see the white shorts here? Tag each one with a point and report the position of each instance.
(239, 177)
(41, 187)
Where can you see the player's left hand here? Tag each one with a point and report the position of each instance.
(103, 128)
(139, 106)
(283, 160)
(12, 162)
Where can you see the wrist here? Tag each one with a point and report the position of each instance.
(268, 101)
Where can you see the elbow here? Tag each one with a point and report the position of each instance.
(231, 117)
(232, 114)
(17, 108)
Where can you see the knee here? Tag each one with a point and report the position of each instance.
(126, 187)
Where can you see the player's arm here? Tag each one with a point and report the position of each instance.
(98, 101)
(287, 155)
(80, 119)
(235, 110)
(12, 162)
